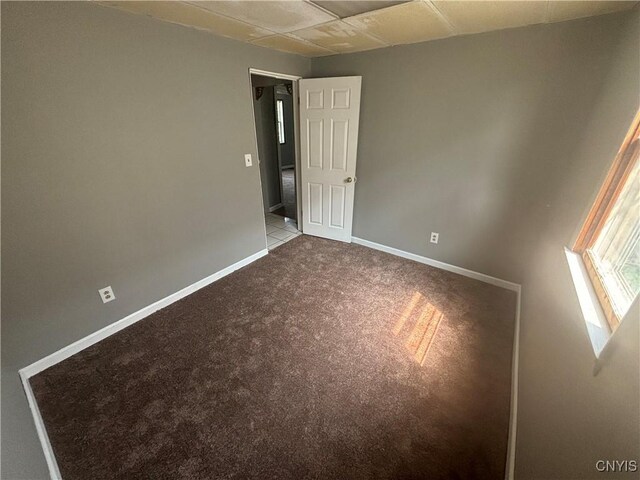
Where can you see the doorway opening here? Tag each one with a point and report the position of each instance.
(274, 109)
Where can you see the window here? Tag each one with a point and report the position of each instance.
(609, 240)
(280, 121)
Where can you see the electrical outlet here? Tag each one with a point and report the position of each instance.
(106, 294)
(434, 237)
(247, 160)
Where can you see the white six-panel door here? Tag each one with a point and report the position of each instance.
(329, 117)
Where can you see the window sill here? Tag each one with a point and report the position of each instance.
(594, 317)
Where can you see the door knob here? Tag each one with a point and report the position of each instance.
(348, 179)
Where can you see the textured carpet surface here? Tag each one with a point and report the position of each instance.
(322, 360)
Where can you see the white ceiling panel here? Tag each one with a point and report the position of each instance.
(312, 28)
(484, 16)
(349, 8)
(560, 11)
(193, 16)
(289, 44)
(280, 17)
(339, 37)
(405, 23)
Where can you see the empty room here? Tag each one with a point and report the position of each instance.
(315, 239)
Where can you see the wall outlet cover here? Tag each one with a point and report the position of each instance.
(106, 294)
(434, 237)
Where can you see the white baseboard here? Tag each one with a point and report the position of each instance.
(513, 414)
(438, 264)
(72, 349)
(112, 328)
(275, 207)
(49, 457)
(27, 372)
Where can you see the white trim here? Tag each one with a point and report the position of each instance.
(298, 154)
(255, 137)
(66, 352)
(513, 415)
(513, 411)
(438, 264)
(275, 207)
(112, 328)
(27, 372)
(296, 126)
(296, 133)
(594, 318)
(266, 73)
(54, 472)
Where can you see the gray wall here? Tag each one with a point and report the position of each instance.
(461, 136)
(265, 119)
(122, 164)
(122, 154)
(499, 142)
(570, 418)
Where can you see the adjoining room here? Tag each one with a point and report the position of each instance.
(320, 240)
(276, 138)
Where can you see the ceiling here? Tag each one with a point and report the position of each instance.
(319, 28)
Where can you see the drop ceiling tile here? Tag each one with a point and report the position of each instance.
(192, 16)
(405, 23)
(339, 37)
(560, 11)
(483, 16)
(349, 8)
(286, 43)
(277, 16)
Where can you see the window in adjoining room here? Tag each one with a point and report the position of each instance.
(280, 121)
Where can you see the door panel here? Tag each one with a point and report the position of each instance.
(315, 140)
(340, 97)
(330, 114)
(336, 206)
(315, 203)
(339, 144)
(315, 99)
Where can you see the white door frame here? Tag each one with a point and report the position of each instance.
(296, 120)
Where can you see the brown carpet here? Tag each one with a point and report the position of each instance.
(322, 360)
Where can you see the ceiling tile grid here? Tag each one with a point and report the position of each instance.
(315, 28)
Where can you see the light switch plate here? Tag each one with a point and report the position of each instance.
(247, 160)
